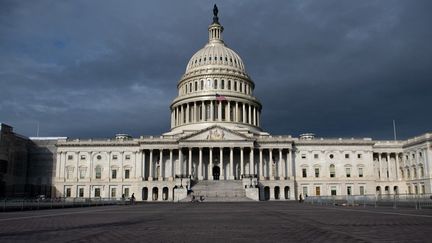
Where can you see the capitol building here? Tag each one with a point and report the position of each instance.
(217, 149)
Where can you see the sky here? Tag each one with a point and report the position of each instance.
(337, 68)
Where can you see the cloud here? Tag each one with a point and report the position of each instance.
(336, 68)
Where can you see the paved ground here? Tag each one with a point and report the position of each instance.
(217, 222)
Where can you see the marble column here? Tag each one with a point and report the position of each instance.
(180, 162)
(261, 169)
(190, 163)
(221, 177)
(200, 165)
(280, 165)
(171, 176)
(160, 178)
(251, 161)
(388, 166)
(271, 164)
(150, 178)
(210, 169)
(241, 163)
(231, 164)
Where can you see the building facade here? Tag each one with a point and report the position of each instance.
(216, 138)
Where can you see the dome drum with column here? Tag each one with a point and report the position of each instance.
(215, 89)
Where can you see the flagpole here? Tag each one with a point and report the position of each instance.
(394, 129)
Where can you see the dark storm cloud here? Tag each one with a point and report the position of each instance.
(336, 68)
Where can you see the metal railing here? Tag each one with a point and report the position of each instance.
(417, 201)
(21, 204)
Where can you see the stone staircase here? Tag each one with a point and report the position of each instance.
(219, 191)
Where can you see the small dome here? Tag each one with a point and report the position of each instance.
(215, 54)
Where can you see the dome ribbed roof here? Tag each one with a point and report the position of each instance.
(215, 54)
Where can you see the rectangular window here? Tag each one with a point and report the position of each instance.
(333, 191)
(358, 156)
(114, 174)
(317, 191)
(113, 192)
(98, 172)
(68, 192)
(82, 173)
(349, 190)
(127, 156)
(126, 192)
(83, 157)
(303, 156)
(97, 192)
(304, 173)
(362, 191)
(348, 172)
(81, 192)
(360, 171)
(316, 172)
(114, 157)
(423, 189)
(346, 156)
(126, 174)
(70, 157)
(305, 191)
(316, 156)
(69, 173)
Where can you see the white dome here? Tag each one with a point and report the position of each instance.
(216, 54)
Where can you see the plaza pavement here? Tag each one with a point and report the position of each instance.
(218, 222)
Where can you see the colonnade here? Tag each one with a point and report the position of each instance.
(214, 111)
(232, 163)
(388, 165)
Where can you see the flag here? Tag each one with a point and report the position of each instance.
(220, 97)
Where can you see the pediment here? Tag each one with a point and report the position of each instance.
(216, 133)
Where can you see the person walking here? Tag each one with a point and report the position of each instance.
(132, 199)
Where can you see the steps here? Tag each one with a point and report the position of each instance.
(219, 191)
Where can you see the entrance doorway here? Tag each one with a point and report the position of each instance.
(216, 173)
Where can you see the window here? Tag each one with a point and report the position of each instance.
(362, 191)
(415, 172)
(332, 171)
(331, 156)
(69, 173)
(303, 156)
(126, 192)
(421, 172)
(349, 190)
(113, 192)
(126, 174)
(114, 157)
(317, 191)
(83, 157)
(305, 191)
(229, 84)
(222, 84)
(315, 156)
(348, 172)
(127, 156)
(81, 192)
(68, 192)
(99, 157)
(346, 156)
(70, 157)
(98, 171)
(82, 173)
(333, 190)
(316, 172)
(97, 192)
(360, 171)
(304, 172)
(422, 189)
(114, 174)
(359, 156)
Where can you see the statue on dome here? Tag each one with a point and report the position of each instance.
(215, 13)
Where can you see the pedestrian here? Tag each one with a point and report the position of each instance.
(300, 198)
(132, 199)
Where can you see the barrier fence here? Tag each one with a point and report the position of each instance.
(417, 201)
(19, 204)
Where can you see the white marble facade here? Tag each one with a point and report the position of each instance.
(216, 135)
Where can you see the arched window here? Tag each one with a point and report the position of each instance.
(229, 85)
(98, 172)
(332, 171)
(215, 84)
(222, 84)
